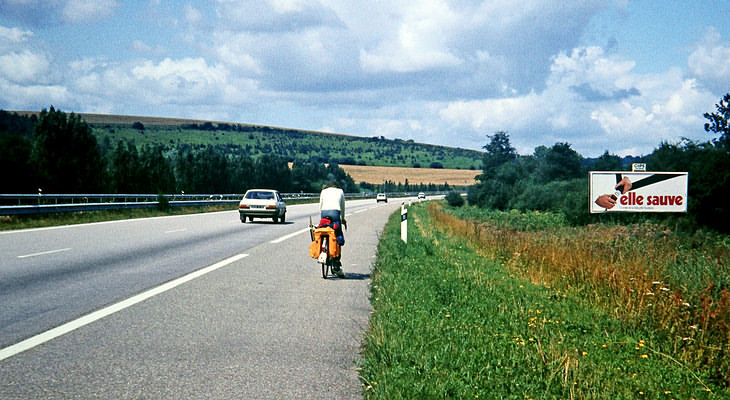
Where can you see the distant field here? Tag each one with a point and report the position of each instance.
(415, 176)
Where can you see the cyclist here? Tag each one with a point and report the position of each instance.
(332, 207)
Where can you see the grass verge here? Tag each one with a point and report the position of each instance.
(449, 322)
(10, 222)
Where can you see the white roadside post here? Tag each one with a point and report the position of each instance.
(404, 222)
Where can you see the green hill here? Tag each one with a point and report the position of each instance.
(293, 144)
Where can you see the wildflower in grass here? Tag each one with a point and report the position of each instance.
(644, 356)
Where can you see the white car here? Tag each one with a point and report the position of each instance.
(381, 197)
(262, 203)
(422, 196)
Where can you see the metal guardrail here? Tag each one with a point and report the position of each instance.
(17, 204)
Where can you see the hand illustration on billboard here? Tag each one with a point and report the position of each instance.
(608, 201)
(624, 185)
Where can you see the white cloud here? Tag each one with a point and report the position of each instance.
(420, 40)
(490, 115)
(237, 57)
(593, 101)
(710, 62)
(24, 67)
(14, 35)
(192, 15)
(79, 11)
(20, 97)
(180, 80)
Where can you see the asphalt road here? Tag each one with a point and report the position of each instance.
(197, 306)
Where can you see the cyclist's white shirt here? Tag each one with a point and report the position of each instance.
(332, 199)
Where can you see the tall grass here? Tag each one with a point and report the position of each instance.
(449, 322)
(676, 285)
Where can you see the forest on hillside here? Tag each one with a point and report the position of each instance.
(258, 141)
(60, 153)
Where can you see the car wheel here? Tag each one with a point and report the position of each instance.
(275, 219)
(250, 218)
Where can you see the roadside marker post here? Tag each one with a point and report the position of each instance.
(404, 223)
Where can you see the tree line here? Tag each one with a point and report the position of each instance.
(58, 153)
(556, 178)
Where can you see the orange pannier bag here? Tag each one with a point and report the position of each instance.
(334, 247)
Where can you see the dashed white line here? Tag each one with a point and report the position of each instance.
(43, 253)
(106, 311)
(289, 236)
(176, 230)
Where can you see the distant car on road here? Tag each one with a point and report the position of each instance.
(262, 203)
(422, 196)
(381, 197)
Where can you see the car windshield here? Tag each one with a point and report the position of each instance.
(260, 195)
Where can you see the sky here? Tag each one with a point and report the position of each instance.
(602, 75)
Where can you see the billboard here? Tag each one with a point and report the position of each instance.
(617, 191)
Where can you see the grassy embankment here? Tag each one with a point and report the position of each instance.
(9, 222)
(500, 305)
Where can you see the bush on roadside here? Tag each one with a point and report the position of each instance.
(454, 199)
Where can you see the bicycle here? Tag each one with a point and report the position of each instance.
(324, 248)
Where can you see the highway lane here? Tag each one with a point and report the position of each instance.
(263, 326)
(52, 275)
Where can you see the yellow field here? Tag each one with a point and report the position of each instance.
(415, 176)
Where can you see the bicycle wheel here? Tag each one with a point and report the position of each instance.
(325, 248)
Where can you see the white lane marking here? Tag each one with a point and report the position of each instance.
(289, 236)
(97, 315)
(43, 253)
(363, 210)
(176, 230)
